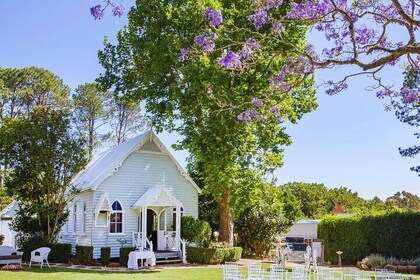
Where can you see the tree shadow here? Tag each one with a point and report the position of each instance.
(46, 270)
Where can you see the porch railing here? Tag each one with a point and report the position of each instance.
(137, 241)
(182, 248)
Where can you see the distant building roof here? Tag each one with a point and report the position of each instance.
(339, 208)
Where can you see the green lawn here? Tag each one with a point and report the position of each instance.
(167, 273)
(72, 274)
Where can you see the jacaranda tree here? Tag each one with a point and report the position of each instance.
(201, 100)
(369, 34)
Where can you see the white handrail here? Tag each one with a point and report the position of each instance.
(136, 240)
(184, 251)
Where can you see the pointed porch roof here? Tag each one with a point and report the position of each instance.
(157, 196)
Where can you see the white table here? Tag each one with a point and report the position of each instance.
(134, 256)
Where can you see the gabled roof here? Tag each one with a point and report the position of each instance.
(8, 208)
(157, 196)
(110, 161)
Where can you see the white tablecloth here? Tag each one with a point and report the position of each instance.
(139, 255)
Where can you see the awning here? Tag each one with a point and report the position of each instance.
(157, 196)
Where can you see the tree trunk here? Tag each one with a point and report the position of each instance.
(225, 220)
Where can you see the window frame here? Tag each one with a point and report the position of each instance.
(181, 211)
(116, 223)
(75, 218)
(83, 229)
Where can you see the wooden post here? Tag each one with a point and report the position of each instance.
(143, 228)
(178, 228)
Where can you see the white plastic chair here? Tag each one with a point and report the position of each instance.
(39, 255)
(334, 274)
(277, 272)
(255, 272)
(321, 273)
(231, 271)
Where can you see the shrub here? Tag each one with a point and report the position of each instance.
(60, 252)
(195, 230)
(105, 255)
(375, 260)
(260, 220)
(1, 239)
(389, 234)
(84, 254)
(203, 255)
(124, 251)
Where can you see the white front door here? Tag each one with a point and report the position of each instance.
(166, 240)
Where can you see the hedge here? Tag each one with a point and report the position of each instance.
(203, 255)
(105, 255)
(84, 254)
(60, 252)
(395, 234)
(124, 252)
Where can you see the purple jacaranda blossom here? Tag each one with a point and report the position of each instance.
(277, 28)
(330, 53)
(280, 86)
(118, 11)
(381, 94)
(97, 12)
(247, 49)
(388, 108)
(271, 4)
(231, 60)
(365, 35)
(309, 10)
(336, 88)
(279, 119)
(184, 54)
(249, 115)
(409, 96)
(257, 102)
(259, 19)
(206, 41)
(214, 17)
(274, 110)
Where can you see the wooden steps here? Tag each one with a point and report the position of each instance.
(167, 257)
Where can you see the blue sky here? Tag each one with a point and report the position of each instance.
(348, 141)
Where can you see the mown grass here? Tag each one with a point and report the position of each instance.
(206, 273)
(73, 274)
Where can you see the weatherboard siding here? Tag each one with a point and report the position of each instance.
(68, 233)
(138, 172)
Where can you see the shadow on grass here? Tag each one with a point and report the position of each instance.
(85, 271)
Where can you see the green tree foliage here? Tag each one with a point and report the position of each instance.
(409, 113)
(314, 199)
(404, 201)
(199, 99)
(44, 157)
(89, 114)
(263, 218)
(125, 118)
(20, 91)
(23, 89)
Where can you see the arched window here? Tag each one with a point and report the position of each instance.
(116, 218)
